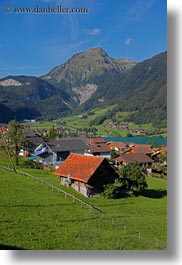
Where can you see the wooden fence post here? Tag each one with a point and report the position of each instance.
(52, 187)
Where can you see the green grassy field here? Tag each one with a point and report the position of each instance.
(78, 122)
(34, 217)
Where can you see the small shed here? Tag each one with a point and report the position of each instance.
(86, 174)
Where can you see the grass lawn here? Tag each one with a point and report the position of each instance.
(74, 122)
(34, 217)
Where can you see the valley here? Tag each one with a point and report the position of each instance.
(88, 82)
(90, 125)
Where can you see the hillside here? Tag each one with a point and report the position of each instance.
(27, 97)
(39, 219)
(90, 80)
(5, 114)
(142, 90)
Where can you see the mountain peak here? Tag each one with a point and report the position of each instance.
(85, 66)
(98, 50)
(92, 51)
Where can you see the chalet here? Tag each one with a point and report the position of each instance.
(117, 146)
(140, 158)
(55, 152)
(101, 150)
(86, 174)
(157, 152)
(139, 148)
(34, 138)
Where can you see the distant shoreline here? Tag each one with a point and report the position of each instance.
(137, 139)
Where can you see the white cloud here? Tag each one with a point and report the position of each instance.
(95, 31)
(129, 41)
(136, 12)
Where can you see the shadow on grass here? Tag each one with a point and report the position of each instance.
(6, 247)
(150, 193)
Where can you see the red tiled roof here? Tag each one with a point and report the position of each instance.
(145, 147)
(79, 166)
(95, 140)
(140, 158)
(159, 150)
(140, 148)
(118, 145)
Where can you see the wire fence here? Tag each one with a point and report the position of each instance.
(53, 188)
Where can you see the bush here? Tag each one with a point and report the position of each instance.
(32, 164)
(110, 191)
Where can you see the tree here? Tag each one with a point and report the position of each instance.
(16, 138)
(163, 158)
(52, 133)
(134, 176)
(114, 153)
(110, 191)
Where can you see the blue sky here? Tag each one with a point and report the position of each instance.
(32, 44)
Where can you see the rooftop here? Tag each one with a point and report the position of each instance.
(98, 148)
(95, 140)
(68, 144)
(79, 166)
(132, 158)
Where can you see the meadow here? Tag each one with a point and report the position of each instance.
(79, 122)
(34, 217)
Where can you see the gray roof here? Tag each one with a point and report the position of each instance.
(36, 141)
(68, 144)
(99, 148)
(31, 134)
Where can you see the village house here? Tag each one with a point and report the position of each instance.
(55, 152)
(117, 146)
(157, 152)
(86, 174)
(33, 140)
(139, 148)
(140, 158)
(101, 150)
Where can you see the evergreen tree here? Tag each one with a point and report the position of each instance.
(134, 176)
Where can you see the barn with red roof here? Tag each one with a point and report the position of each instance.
(86, 174)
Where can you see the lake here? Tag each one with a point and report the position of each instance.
(138, 139)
